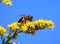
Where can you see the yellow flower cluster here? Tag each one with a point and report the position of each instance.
(42, 24)
(13, 27)
(27, 25)
(7, 2)
(31, 27)
(2, 30)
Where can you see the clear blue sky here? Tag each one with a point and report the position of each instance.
(40, 9)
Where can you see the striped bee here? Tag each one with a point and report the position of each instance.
(25, 18)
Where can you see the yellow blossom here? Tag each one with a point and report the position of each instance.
(42, 24)
(31, 27)
(39, 24)
(27, 27)
(13, 27)
(7, 35)
(7, 2)
(50, 25)
(2, 30)
(24, 28)
(31, 24)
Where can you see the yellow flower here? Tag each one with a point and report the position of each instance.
(42, 24)
(7, 35)
(13, 27)
(7, 2)
(31, 24)
(50, 25)
(2, 30)
(24, 28)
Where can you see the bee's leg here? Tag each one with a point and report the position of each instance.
(30, 20)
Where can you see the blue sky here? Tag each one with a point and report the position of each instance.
(39, 9)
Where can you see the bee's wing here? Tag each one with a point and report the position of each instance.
(23, 15)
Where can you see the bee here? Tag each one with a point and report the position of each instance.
(25, 18)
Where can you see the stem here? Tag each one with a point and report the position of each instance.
(19, 31)
(12, 37)
(3, 41)
(7, 42)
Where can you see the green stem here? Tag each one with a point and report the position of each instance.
(12, 37)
